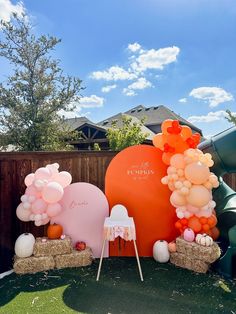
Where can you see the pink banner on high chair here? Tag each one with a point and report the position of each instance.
(85, 208)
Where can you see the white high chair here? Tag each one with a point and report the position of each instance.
(119, 224)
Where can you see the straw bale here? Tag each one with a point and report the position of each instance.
(208, 254)
(181, 260)
(74, 259)
(52, 247)
(33, 264)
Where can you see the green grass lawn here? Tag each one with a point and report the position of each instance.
(166, 289)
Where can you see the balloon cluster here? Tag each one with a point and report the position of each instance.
(45, 188)
(175, 138)
(191, 183)
(189, 178)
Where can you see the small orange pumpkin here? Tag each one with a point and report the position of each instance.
(172, 247)
(54, 231)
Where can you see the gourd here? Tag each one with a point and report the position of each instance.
(54, 231)
(204, 239)
(24, 245)
(160, 251)
(189, 235)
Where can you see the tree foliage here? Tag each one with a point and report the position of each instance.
(128, 134)
(231, 117)
(35, 92)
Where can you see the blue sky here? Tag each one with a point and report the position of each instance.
(177, 53)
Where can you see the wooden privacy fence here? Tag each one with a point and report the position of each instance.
(84, 167)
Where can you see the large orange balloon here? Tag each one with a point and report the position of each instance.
(133, 179)
(186, 132)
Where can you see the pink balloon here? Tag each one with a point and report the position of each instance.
(38, 223)
(192, 209)
(32, 191)
(42, 173)
(29, 179)
(64, 178)
(22, 213)
(177, 199)
(197, 173)
(52, 192)
(199, 196)
(54, 209)
(177, 161)
(39, 206)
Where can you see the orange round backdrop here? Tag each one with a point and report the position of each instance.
(133, 179)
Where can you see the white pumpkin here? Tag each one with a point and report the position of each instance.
(160, 251)
(204, 239)
(24, 245)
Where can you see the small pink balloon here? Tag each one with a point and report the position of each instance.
(42, 173)
(32, 191)
(54, 209)
(64, 178)
(39, 206)
(22, 213)
(52, 192)
(29, 179)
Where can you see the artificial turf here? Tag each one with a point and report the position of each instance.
(166, 289)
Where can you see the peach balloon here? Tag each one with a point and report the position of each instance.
(158, 141)
(177, 161)
(197, 173)
(192, 209)
(198, 196)
(177, 199)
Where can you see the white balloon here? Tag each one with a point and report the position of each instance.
(24, 198)
(26, 205)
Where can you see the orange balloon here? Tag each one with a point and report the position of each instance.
(215, 233)
(212, 221)
(205, 227)
(166, 158)
(194, 224)
(166, 124)
(158, 141)
(203, 220)
(178, 224)
(184, 221)
(186, 132)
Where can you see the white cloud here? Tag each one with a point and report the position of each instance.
(183, 100)
(108, 88)
(92, 101)
(210, 117)
(213, 95)
(114, 73)
(155, 59)
(141, 83)
(134, 47)
(7, 9)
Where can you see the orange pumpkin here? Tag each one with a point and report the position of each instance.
(54, 231)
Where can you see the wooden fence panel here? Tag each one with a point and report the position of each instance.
(84, 167)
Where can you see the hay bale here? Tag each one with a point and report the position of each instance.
(52, 247)
(208, 254)
(33, 264)
(74, 259)
(181, 260)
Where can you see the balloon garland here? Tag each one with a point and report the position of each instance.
(189, 178)
(45, 188)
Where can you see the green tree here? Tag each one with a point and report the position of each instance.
(231, 117)
(35, 92)
(128, 134)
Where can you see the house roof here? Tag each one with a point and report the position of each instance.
(157, 114)
(118, 117)
(80, 122)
